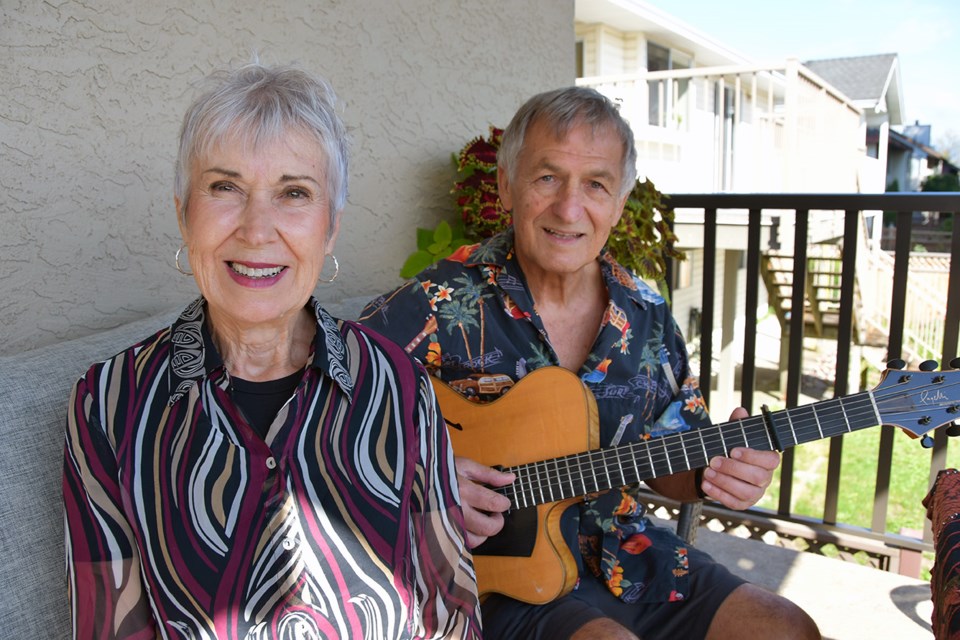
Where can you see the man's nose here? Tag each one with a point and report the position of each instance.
(570, 202)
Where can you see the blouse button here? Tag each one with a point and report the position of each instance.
(288, 544)
(271, 463)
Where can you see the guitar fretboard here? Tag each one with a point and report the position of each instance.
(580, 474)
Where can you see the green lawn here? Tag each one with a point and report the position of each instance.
(909, 480)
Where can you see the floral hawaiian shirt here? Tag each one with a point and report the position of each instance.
(473, 312)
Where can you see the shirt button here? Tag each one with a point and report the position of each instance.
(288, 544)
(271, 463)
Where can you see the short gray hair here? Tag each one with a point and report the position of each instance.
(560, 110)
(260, 105)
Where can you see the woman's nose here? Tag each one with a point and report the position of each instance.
(257, 220)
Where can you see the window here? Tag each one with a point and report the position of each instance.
(666, 97)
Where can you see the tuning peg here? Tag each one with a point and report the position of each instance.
(929, 365)
(953, 430)
(926, 442)
(898, 364)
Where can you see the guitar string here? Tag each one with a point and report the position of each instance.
(549, 482)
(546, 484)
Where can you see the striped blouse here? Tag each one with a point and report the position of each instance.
(343, 522)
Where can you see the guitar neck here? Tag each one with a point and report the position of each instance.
(577, 475)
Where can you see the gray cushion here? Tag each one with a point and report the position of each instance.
(34, 389)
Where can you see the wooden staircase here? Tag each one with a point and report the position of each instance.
(821, 301)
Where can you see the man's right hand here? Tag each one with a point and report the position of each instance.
(482, 507)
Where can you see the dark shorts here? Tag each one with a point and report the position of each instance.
(710, 584)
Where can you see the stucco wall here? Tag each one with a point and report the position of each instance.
(91, 96)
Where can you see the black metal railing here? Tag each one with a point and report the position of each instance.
(903, 207)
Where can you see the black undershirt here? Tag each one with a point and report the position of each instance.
(261, 401)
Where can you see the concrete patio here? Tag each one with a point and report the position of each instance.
(848, 601)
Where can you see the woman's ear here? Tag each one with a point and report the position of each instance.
(181, 215)
(332, 234)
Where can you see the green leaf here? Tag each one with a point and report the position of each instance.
(438, 248)
(424, 238)
(416, 262)
(443, 233)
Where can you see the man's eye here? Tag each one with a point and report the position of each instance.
(547, 178)
(597, 185)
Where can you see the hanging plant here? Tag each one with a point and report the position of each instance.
(476, 189)
(644, 240)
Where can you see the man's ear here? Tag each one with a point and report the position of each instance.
(503, 187)
(622, 204)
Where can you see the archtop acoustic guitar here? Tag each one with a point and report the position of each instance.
(545, 430)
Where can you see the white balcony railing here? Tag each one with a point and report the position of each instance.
(769, 128)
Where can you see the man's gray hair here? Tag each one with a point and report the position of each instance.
(256, 105)
(560, 110)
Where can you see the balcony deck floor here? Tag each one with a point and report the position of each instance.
(848, 601)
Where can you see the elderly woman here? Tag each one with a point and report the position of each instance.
(259, 469)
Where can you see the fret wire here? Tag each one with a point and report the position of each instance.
(876, 410)
(723, 443)
(550, 486)
(605, 458)
(636, 467)
(846, 418)
(667, 456)
(816, 417)
(521, 480)
(573, 491)
(593, 472)
(793, 430)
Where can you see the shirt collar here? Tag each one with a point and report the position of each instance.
(194, 356)
(498, 252)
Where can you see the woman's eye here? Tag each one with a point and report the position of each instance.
(221, 186)
(297, 193)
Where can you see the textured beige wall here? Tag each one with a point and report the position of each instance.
(91, 96)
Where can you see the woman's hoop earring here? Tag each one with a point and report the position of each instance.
(336, 269)
(176, 261)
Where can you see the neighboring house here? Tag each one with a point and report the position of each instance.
(710, 119)
(873, 84)
(911, 159)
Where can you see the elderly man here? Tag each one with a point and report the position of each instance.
(546, 293)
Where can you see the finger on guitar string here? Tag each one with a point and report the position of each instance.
(482, 507)
(739, 482)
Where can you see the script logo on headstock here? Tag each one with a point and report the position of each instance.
(933, 397)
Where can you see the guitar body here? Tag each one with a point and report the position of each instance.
(546, 415)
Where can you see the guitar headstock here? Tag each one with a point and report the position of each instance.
(919, 401)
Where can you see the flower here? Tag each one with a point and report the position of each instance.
(616, 577)
(443, 293)
(476, 191)
(433, 354)
(636, 544)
